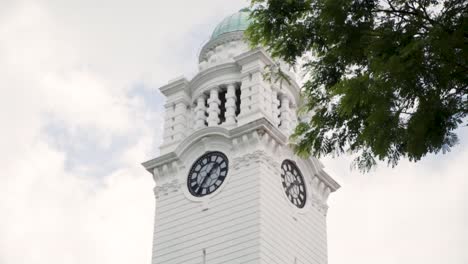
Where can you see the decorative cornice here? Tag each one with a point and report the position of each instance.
(328, 180)
(254, 55)
(320, 206)
(253, 158)
(185, 99)
(225, 38)
(241, 133)
(318, 190)
(180, 84)
(164, 159)
(215, 76)
(166, 188)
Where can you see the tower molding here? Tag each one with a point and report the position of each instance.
(244, 145)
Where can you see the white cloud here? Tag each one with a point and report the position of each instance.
(84, 68)
(50, 214)
(414, 213)
(54, 216)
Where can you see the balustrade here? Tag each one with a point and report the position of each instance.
(213, 109)
(223, 104)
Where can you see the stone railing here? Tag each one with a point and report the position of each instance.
(228, 95)
(224, 106)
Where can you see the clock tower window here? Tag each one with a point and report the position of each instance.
(222, 106)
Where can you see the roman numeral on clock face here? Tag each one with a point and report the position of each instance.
(293, 183)
(207, 173)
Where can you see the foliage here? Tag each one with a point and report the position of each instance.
(386, 79)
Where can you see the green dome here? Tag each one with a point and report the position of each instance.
(236, 22)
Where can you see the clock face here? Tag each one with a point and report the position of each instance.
(293, 183)
(207, 173)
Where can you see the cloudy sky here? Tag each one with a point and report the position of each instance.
(80, 110)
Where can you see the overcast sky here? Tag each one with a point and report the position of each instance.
(80, 110)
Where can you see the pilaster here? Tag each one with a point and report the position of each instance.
(275, 107)
(200, 112)
(177, 93)
(213, 110)
(255, 92)
(285, 116)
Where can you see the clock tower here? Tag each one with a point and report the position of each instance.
(229, 189)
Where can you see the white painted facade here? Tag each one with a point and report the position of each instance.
(229, 107)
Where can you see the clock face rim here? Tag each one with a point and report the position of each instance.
(197, 162)
(293, 166)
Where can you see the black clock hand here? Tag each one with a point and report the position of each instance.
(292, 185)
(289, 188)
(206, 177)
(203, 180)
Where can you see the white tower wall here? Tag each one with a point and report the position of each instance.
(221, 229)
(289, 235)
(249, 219)
(230, 107)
